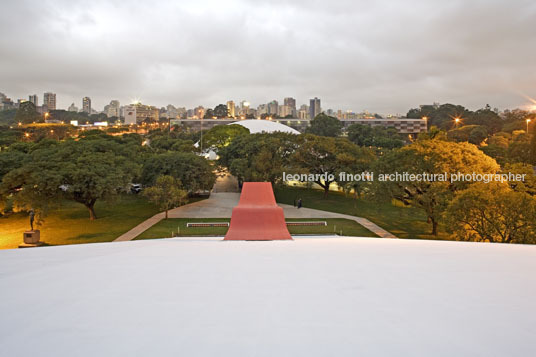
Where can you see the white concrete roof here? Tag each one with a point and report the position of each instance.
(266, 126)
(307, 297)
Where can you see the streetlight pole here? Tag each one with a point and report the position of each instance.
(201, 141)
(528, 121)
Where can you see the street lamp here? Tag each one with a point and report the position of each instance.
(456, 121)
(201, 141)
(528, 121)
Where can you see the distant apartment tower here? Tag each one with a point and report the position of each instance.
(244, 107)
(303, 113)
(113, 109)
(273, 107)
(286, 111)
(199, 112)
(33, 99)
(231, 109)
(86, 105)
(137, 113)
(314, 107)
(49, 100)
(262, 109)
(291, 102)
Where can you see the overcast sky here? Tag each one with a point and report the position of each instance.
(383, 56)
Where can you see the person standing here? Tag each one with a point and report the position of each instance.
(299, 203)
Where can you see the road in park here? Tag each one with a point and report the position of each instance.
(220, 205)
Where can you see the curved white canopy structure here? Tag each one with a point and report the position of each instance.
(265, 126)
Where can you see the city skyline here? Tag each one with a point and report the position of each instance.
(385, 57)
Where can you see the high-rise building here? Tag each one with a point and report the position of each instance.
(303, 113)
(33, 99)
(137, 113)
(72, 108)
(291, 102)
(86, 105)
(199, 112)
(5, 102)
(244, 107)
(314, 107)
(49, 100)
(273, 107)
(285, 111)
(231, 109)
(171, 112)
(262, 109)
(181, 112)
(113, 109)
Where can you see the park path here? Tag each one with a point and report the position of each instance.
(220, 205)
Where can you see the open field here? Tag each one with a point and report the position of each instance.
(168, 228)
(71, 225)
(403, 222)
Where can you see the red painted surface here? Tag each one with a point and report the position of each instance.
(257, 216)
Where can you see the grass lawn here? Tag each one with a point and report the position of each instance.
(71, 225)
(403, 222)
(169, 227)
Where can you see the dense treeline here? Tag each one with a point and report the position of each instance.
(94, 166)
(41, 165)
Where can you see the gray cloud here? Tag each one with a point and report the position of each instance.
(384, 56)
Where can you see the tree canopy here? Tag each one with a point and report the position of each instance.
(221, 136)
(325, 125)
(166, 193)
(258, 157)
(493, 212)
(326, 156)
(84, 171)
(194, 172)
(378, 136)
(430, 157)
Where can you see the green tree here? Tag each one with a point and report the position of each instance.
(325, 156)
(487, 118)
(379, 136)
(209, 114)
(166, 193)
(27, 113)
(441, 116)
(258, 157)
(475, 134)
(528, 185)
(434, 133)
(7, 117)
(432, 157)
(221, 111)
(194, 172)
(493, 213)
(222, 135)
(84, 171)
(11, 160)
(325, 125)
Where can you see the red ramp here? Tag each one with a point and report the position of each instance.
(257, 216)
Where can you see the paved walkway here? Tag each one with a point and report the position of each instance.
(220, 205)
